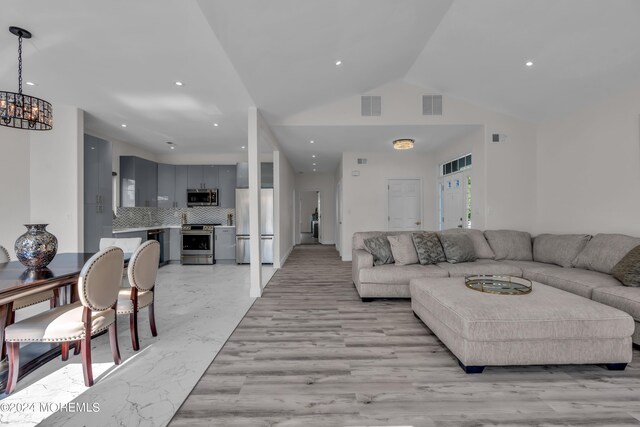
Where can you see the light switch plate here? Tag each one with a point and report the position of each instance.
(355, 173)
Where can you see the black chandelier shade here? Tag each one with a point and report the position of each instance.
(21, 111)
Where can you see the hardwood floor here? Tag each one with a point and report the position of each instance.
(310, 353)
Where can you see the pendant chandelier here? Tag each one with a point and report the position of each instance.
(23, 111)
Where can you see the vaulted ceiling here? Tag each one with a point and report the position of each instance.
(119, 60)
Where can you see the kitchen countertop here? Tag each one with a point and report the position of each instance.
(151, 227)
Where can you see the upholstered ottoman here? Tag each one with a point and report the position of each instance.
(546, 326)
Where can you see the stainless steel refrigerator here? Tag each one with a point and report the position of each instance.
(242, 225)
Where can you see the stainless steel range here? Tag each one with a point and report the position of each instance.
(197, 244)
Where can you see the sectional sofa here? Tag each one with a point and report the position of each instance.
(579, 264)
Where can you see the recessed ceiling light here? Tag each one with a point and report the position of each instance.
(179, 83)
(172, 147)
(314, 170)
(31, 84)
(338, 63)
(311, 142)
(242, 147)
(313, 155)
(124, 125)
(314, 164)
(215, 124)
(528, 63)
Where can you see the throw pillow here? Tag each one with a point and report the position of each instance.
(480, 244)
(428, 248)
(604, 251)
(380, 248)
(458, 248)
(560, 249)
(510, 244)
(628, 269)
(403, 250)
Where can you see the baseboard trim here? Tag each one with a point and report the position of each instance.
(283, 259)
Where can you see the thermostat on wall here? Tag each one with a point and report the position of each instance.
(355, 173)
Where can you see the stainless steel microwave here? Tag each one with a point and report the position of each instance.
(202, 197)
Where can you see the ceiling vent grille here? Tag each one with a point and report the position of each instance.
(371, 106)
(432, 105)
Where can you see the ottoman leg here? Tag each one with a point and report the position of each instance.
(616, 366)
(471, 369)
(367, 299)
(417, 317)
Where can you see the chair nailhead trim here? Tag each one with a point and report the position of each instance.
(79, 337)
(84, 288)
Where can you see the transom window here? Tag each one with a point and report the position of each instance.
(456, 165)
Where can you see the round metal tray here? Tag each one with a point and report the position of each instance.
(501, 285)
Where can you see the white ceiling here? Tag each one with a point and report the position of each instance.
(330, 141)
(118, 61)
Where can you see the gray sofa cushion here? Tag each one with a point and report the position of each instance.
(628, 269)
(399, 274)
(510, 244)
(604, 251)
(481, 266)
(480, 244)
(380, 248)
(458, 248)
(560, 249)
(403, 250)
(428, 248)
(621, 297)
(575, 280)
(527, 265)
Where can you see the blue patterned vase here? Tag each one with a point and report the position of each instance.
(37, 247)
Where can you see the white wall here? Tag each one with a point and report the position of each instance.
(325, 184)
(284, 186)
(15, 207)
(589, 169)
(57, 177)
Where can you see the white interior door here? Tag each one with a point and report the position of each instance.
(339, 216)
(454, 201)
(405, 204)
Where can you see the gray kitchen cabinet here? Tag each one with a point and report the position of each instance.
(181, 185)
(138, 182)
(225, 243)
(266, 175)
(174, 245)
(98, 217)
(202, 176)
(227, 186)
(166, 186)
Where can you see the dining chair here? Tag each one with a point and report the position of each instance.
(98, 286)
(128, 245)
(142, 272)
(22, 302)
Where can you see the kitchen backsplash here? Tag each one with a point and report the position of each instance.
(143, 217)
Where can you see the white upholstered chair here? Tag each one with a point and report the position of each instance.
(142, 272)
(26, 301)
(98, 287)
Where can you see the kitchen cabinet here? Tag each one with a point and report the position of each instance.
(181, 185)
(202, 176)
(227, 186)
(225, 243)
(138, 182)
(98, 216)
(174, 245)
(166, 186)
(266, 175)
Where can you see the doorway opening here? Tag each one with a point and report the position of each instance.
(309, 218)
(454, 191)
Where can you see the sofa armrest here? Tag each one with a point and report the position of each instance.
(359, 259)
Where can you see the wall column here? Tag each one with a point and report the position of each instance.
(254, 204)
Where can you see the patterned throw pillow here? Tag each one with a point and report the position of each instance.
(628, 269)
(380, 248)
(428, 247)
(458, 248)
(403, 250)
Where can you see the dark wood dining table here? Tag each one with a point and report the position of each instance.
(16, 281)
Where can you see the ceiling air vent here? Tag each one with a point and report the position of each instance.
(432, 105)
(371, 105)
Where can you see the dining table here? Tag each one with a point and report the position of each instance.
(17, 281)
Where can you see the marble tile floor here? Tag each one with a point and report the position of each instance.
(197, 309)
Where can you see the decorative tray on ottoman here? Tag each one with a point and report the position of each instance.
(502, 285)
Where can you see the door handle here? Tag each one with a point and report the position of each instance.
(418, 222)
(460, 226)
(267, 238)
